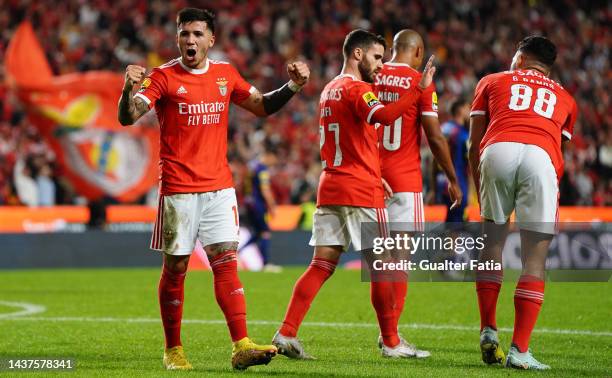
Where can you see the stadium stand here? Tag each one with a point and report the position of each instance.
(470, 39)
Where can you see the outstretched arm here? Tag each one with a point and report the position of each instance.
(263, 105)
(131, 108)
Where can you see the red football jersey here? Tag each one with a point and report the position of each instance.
(192, 106)
(400, 147)
(349, 151)
(527, 107)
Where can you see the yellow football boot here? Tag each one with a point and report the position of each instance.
(174, 359)
(246, 353)
(489, 347)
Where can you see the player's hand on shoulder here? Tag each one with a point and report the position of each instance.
(298, 72)
(133, 75)
(428, 73)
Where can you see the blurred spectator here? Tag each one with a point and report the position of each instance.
(27, 191)
(470, 38)
(46, 186)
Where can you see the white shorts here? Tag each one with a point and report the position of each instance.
(406, 211)
(211, 217)
(520, 177)
(342, 225)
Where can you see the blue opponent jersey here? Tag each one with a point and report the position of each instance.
(259, 177)
(457, 137)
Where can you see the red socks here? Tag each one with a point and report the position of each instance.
(400, 288)
(304, 292)
(382, 294)
(488, 284)
(229, 293)
(528, 298)
(171, 294)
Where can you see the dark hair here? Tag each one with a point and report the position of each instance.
(186, 15)
(456, 105)
(540, 49)
(360, 38)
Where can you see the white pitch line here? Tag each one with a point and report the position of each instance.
(443, 327)
(27, 309)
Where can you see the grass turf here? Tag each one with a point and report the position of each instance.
(90, 308)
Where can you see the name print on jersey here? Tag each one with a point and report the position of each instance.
(392, 81)
(333, 94)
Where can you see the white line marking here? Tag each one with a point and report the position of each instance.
(27, 309)
(444, 327)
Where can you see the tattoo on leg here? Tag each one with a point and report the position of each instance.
(217, 248)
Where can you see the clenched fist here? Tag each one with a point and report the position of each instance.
(298, 72)
(133, 75)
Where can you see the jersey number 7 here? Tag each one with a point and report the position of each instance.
(335, 128)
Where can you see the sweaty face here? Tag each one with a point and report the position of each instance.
(194, 39)
(371, 62)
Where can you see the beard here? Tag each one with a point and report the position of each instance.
(367, 73)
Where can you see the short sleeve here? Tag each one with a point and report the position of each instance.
(568, 127)
(242, 89)
(364, 101)
(428, 102)
(153, 87)
(480, 104)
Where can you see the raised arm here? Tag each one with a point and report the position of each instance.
(386, 115)
(263, 105)
(131, 108)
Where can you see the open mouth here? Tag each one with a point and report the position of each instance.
(191, 52)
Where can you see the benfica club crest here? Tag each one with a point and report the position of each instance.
(77, 115)
(222, 83)
(112, 161)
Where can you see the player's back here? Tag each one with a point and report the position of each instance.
(527, 107)
(400, 142)
(349, 153)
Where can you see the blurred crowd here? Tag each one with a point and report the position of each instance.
(470, 39)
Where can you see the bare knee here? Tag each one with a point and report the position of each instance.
(176, 264)
(534, 250)
(328, 252)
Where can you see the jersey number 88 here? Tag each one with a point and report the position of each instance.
(521, 100)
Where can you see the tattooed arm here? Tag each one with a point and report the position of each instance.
(269, 103)
(131, 108)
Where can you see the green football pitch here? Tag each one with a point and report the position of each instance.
(107, 320)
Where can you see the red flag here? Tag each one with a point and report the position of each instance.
(77, 115)
(25, 61)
